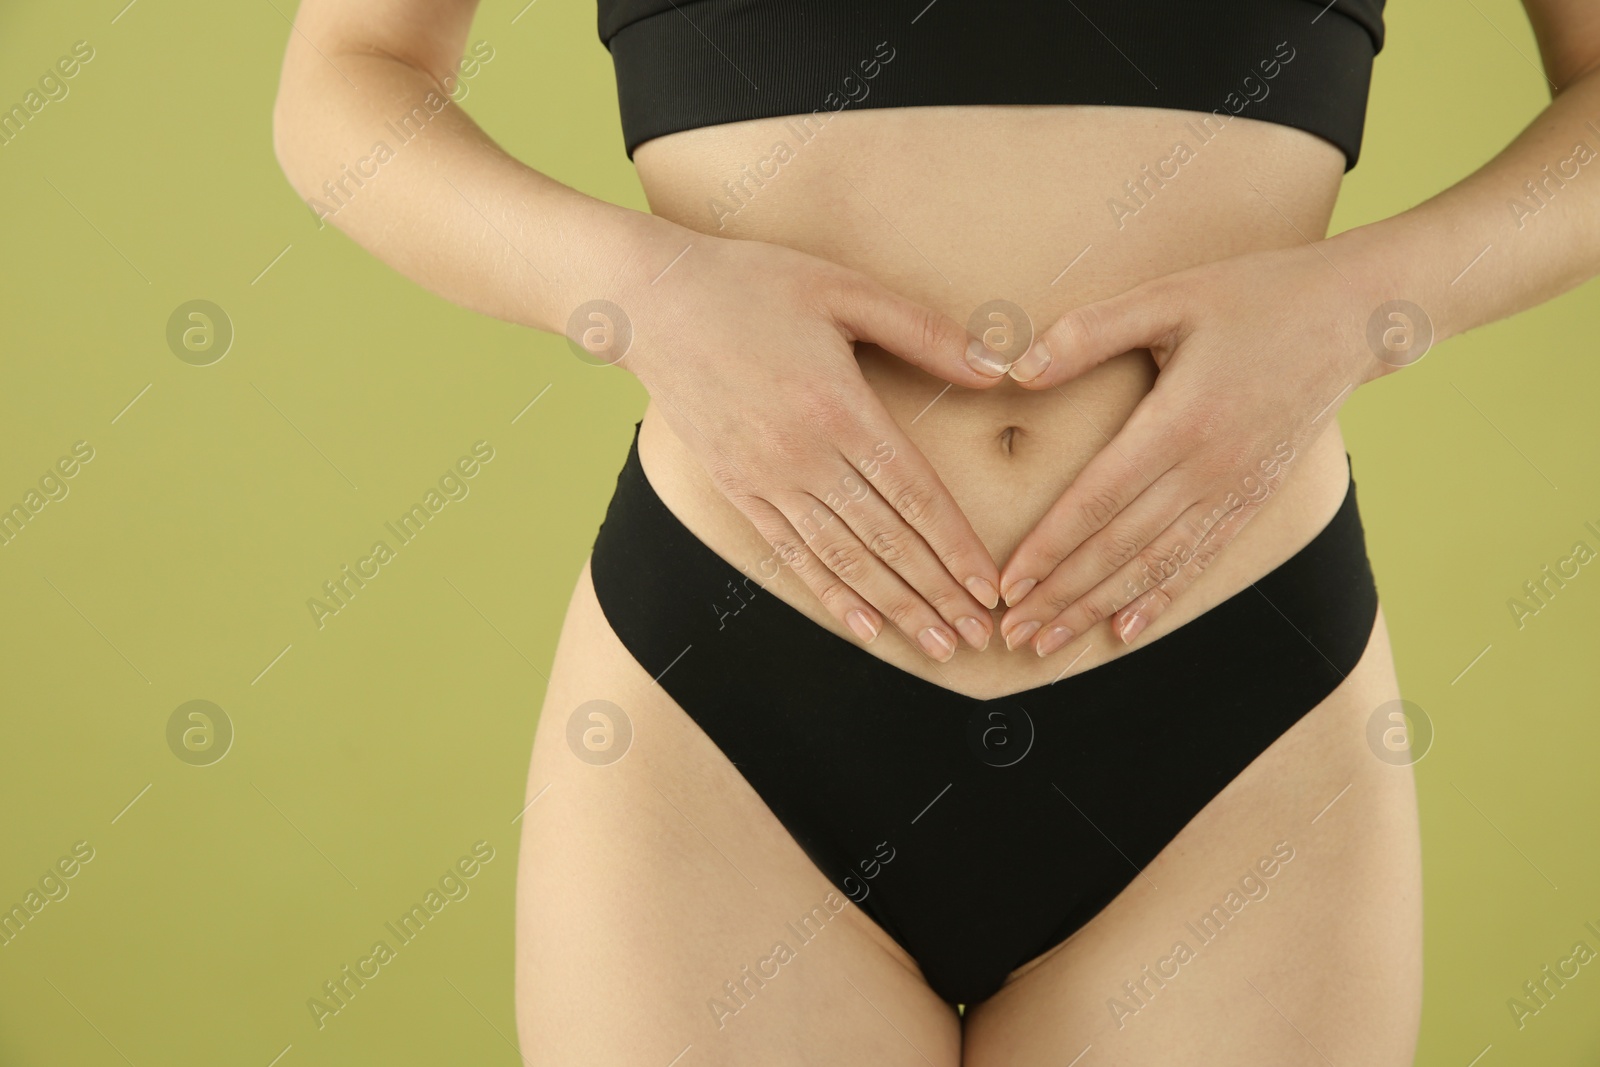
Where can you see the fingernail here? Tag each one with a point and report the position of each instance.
(1131, 627)
(985, 360)
(1019, 590)
(861, 625)
(973, 631)
(983, 590)
(1033, 363)
(1053, 638)
(936, 643)
(1020, 634)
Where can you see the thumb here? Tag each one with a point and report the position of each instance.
(919, 335)
(1087, 336)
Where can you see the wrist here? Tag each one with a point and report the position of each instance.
(616, 254)
(1402, 307)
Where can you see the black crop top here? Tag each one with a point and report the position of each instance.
(682, 64)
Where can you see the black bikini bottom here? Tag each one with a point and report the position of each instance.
(978, 833)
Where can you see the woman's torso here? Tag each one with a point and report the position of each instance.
(1047, 207)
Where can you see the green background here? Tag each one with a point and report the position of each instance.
(370, 754)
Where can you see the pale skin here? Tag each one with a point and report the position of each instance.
(498, 237)
(1146, 498)
(648, 883)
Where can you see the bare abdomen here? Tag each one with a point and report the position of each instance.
(1044, 208)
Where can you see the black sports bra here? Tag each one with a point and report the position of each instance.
(683, 64)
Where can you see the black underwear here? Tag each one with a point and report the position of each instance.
(978, 833)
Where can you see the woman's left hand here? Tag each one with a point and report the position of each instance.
(1255, 354)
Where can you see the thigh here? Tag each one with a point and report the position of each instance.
(1282, 926)
(664, 916)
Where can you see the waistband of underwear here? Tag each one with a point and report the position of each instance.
(663, 590)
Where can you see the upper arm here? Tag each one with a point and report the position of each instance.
(427, 34)
(1568, 32)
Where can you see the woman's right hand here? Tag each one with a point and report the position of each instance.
(747, 347)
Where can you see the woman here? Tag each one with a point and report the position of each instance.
(816, 780)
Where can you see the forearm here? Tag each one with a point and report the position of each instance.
(376, 149)
(1521, 230)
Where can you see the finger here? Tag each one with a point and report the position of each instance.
(789, 548)
(908, 482)
(887, 535)
(1087, 336)
(1129, 464)
(1181, 554)
(835, 545)
(1135, 617)
(919, 335)
(1098, 558)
